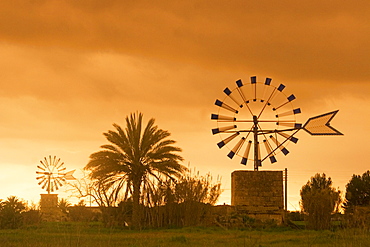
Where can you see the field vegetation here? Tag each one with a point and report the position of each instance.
(96, 234)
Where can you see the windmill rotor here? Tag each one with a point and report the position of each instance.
(259, 118)
(51, 174)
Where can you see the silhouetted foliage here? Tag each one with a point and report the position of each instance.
(31, 217)
(105, 195)
(185, 202)
(295, 216)
(319, 200)
(120, 216)
(196, 188)
(190, 187)
(135, 156)
(357, 201)
(64, 206)
(11, 212)
(357, 192)
(80, 212)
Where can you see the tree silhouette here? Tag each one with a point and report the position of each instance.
(134, 157)
(319, 200)
(11, 212)
(358, 191)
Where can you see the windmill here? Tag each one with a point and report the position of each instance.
(52, 174)
(256, 121)
(259, 116)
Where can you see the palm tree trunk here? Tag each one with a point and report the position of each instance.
(136, 219)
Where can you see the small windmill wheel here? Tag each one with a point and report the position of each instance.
(52, 174)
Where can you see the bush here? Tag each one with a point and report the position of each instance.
(359, 217)
(120, 216)
(318, 201)
(31, 217)
(80, 212)
(357, 192)
(295, 216)
(11, 213)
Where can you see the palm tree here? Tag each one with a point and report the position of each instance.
(11, 212)
(134, 157)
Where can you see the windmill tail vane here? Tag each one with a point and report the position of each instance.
(316, 126)
(320, 125)
(69, 175)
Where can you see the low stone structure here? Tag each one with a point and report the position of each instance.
(49, 208)
(258, 194)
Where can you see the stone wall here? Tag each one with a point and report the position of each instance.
(49, 208)
(258, 194)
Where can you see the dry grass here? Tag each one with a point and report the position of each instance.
(94, 234)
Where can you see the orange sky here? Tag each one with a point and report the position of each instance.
(70, 69)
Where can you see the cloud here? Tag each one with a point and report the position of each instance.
(314, 40)
(64, 95)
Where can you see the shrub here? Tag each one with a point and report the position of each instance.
(318, 201)
(11, 212)
(357, 192)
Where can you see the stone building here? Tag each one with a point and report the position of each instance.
(49, 209)
(258, 194)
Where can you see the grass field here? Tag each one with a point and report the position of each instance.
(94, 234)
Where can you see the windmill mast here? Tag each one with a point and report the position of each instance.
(49, 180)
(255, 135)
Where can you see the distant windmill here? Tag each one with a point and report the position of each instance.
(52, 174)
